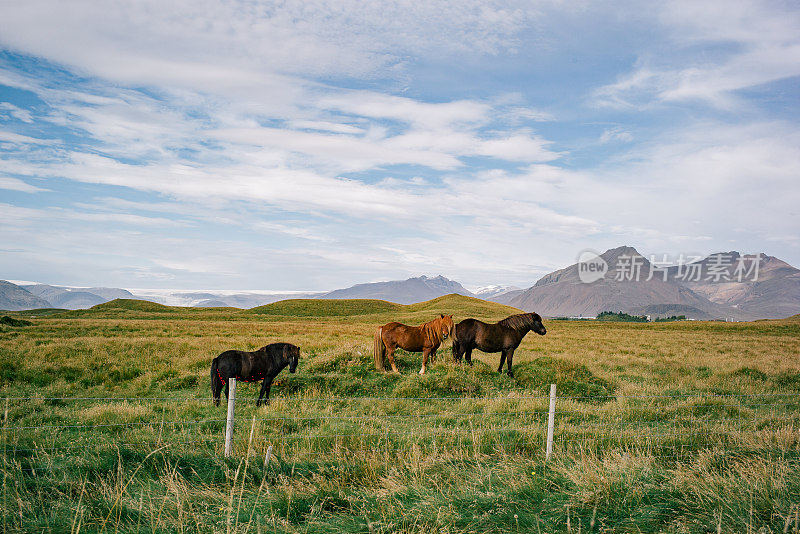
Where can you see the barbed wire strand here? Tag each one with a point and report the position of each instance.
(620, 396)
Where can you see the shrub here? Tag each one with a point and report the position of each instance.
(10, 321)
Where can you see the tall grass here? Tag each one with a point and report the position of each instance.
(681, 427)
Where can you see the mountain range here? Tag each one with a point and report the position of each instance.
(704, 289)
(494, 291)
(725, 285)
(13, 297)
(75, 298)
(775, 293)
(408, 291)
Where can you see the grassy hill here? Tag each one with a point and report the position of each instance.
(462, 307)
(324, 308)
(37, 312)
(459, 306)
(134, 305)
(145, 309)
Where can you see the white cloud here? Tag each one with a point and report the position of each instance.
(326, 126)
(759, 44)
(418, 114)
(13, 184)
(648, 196)
(517, 147)
(347, 153)
(302, 231)
(652, 199)
(615, 134)
(10, 110)
(21, 216)
(17, 139)
(520, 113)
(131, 124)
(190, 44)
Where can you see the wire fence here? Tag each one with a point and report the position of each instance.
(43, 433)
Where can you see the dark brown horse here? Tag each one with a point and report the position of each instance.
(262, 365)
(425, 338)
(504, 337)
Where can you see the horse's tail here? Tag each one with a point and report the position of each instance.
(380, 350)
(216, 381)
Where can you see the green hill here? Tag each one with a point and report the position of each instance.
(457, 305)
(133, 308)
(325, 307)
(37, 312)
(134, 305)
(462, 307)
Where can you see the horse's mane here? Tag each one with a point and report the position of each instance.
(521, 321)
(432, 330)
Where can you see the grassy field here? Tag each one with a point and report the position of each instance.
(668, 427)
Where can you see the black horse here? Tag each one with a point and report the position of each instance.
(263, 364)
(504, 337)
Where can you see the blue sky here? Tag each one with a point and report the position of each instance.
(313, 145)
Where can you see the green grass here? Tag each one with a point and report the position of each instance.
(325, 307)
(38, 312)
(15, 322)
(645, 445)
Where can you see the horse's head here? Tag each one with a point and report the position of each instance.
(537, 325)
(446, 325)
(293, 353)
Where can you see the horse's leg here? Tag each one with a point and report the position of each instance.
(216, 390)
(216, 386)
(468, 355)
(510, 360)
(265, 386)
(502, 361)
(390, 357)
(226, 388)
(425, 354)
(457, 352)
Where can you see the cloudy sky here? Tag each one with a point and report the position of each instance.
(308, 145)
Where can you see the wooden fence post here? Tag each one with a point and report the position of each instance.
(551, 421)
(229, 423)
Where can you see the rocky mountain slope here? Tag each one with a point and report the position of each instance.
(15, 298)
(757, 285)
(563, 293)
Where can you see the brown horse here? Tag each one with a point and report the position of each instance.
(425, 338)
